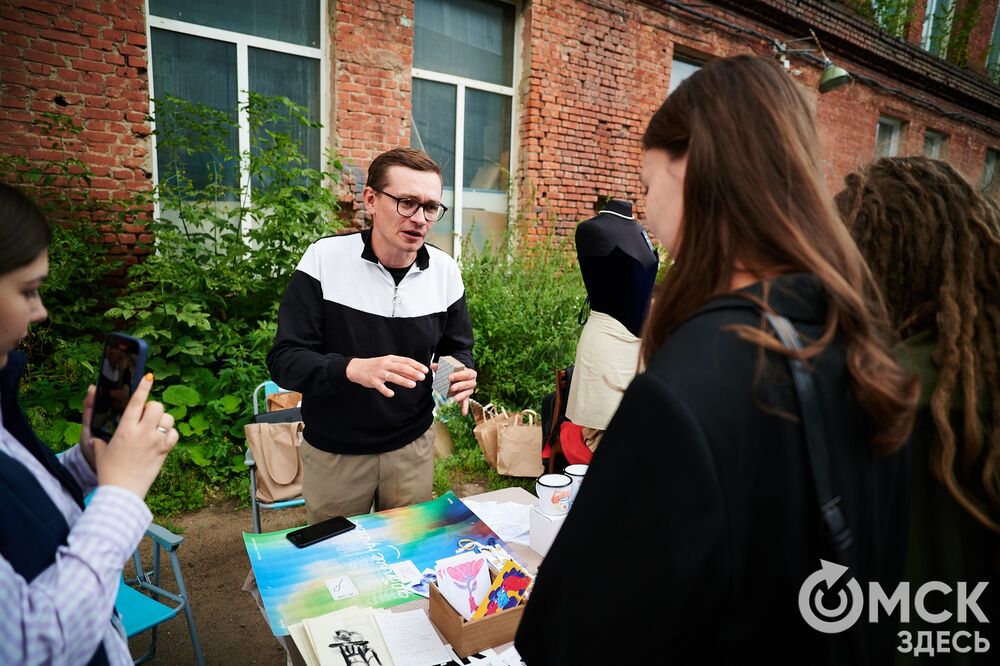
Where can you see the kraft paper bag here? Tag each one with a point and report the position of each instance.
(519, 445)
(275, 448)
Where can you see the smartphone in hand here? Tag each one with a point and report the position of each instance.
(310, 534)
(123, 364)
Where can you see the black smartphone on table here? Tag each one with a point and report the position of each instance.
(123, 364)
(310, 534)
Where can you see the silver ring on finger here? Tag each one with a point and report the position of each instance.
(388, 372)
(161, 429)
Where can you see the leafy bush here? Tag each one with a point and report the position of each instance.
(524, 302)
(206, 296)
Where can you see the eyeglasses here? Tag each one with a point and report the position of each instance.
(407, 207)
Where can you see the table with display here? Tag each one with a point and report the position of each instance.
(298, 582)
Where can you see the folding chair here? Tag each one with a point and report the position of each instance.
(143, 612)
(552, 442)
(281, 416)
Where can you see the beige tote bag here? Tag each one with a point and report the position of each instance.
(275, 448)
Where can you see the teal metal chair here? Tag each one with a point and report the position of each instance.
(139, 598)
(261, 414)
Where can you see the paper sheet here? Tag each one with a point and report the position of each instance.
(509, 520)
(411, 639)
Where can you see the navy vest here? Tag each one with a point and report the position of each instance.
(31, 526)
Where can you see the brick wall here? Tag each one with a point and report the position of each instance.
(85, 59)
(596, 70)
(593, 72)
(372, 59)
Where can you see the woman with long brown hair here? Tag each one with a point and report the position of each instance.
(933, 244)
(700, 503)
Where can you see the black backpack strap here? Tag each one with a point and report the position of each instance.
(814, 433)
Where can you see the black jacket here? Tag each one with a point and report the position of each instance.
(699, 504)
(341, 303)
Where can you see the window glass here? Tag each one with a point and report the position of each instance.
(487, 141)
(680, 69)
(934, 143)
(469, 38)
(294, 21)
(433, 131)
(887, 137)
(937, 26)
(202, 71)
(433, 127)
(294, 77)
(990, 167)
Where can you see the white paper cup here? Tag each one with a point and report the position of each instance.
(576, 473)
(554, 491)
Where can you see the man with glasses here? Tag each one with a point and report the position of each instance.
(362, 320)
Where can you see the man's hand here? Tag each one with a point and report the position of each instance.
(380, 371)
(463, 383)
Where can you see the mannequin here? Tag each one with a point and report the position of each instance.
(619, 267)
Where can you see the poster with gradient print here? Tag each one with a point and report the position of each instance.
(361, 567)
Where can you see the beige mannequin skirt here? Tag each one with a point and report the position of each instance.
(606, 361)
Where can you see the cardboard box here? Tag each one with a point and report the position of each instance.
(470, 637)
(543, 529)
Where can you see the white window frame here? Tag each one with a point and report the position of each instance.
(243, 42)
(462, 83)
(930, 20)
(940, 140)
(897, 130)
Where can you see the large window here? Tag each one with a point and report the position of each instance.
(216, 53)
(938, 20)
(888, 133)
(463, 93)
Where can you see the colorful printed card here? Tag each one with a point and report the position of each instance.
(508, 590)
(464, 581)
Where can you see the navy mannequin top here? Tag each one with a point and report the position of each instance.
(618, 264)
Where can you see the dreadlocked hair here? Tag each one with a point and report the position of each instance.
(933, 244)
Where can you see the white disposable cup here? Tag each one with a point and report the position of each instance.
(576, 473)
(554, 491)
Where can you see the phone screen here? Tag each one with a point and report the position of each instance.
(122, 364)
(311, 534)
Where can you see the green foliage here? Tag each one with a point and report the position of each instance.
(893, 16)
(206, 300)
(206, 295)
(523, 301)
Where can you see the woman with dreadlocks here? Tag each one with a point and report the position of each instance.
(933, 244)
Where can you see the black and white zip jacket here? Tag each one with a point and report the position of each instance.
(341, 303)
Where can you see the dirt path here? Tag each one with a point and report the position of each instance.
(214, 562)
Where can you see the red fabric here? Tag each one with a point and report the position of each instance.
(573, 446)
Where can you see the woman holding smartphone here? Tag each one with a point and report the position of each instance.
(60, 565)
(700, 504)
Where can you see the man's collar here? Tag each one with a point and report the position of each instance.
(368, 253)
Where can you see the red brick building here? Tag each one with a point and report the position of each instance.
(541, 103)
